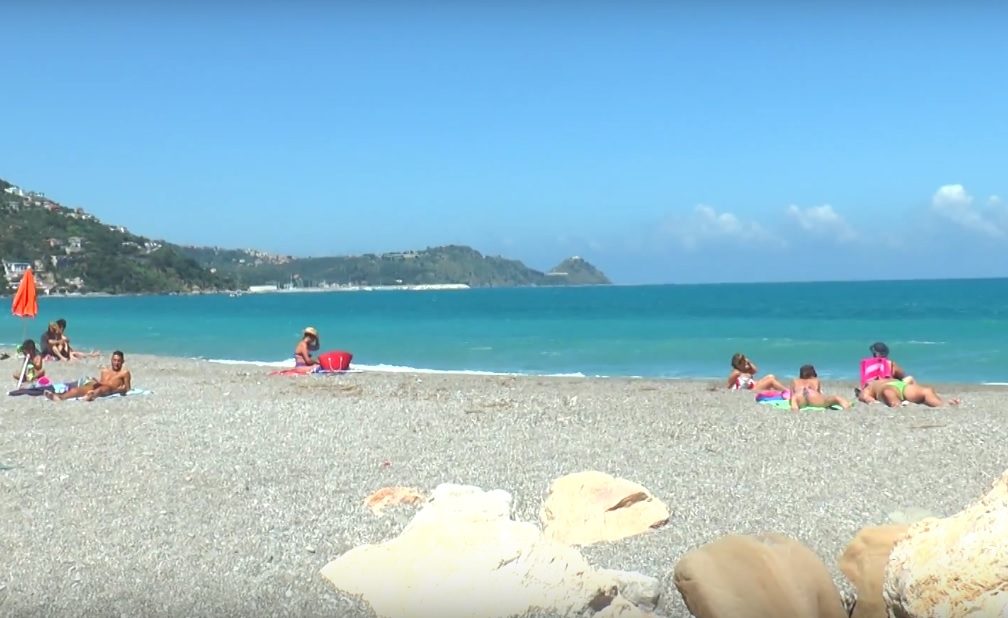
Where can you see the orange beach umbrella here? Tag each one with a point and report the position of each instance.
(25, 303)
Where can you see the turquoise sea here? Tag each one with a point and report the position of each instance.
(941, 331)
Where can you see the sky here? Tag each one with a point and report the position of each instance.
(664, 142)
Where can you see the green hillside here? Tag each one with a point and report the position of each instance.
(70, 250)
(436, 265)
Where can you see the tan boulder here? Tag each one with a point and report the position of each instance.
(864, 562)
(952, 567)
(589, 507)
(391, 496)
(766, 576)
(461, 556)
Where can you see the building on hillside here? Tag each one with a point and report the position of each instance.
(13, 271)
(75, 244)
(59, 261)
(15, 190)
(54, 242)
(400, 255)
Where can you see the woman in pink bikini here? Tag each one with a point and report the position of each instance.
(743, 376)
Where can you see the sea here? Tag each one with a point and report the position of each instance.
(939, 331)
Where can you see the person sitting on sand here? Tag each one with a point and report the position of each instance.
(880, 367)
(114, 380)
(51, 344)
(895, 392)
(743, 376)
(807, 392)
(303, 351)
(33, 370)
(70, 353)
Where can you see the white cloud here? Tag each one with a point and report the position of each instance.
(707, 225)
(954, 203)
(822, 221)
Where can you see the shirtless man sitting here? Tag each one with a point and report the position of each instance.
(115, 380)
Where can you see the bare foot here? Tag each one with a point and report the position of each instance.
(954, 402)
(90, 396)
(51, 396)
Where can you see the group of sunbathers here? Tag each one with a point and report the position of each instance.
(112, 380)
(881, 380)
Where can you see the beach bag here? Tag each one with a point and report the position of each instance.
(336, 360)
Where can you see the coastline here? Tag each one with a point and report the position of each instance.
(226, 489)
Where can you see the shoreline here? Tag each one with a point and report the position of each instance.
(845, 383)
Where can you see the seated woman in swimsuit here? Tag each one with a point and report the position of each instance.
(895, 392)
(309, 343)
(806, 391)
(743, 376)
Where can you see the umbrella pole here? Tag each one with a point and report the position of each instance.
(24, 369)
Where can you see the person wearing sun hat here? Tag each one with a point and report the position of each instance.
(308, 344)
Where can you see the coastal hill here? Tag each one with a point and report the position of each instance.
(72, 251)
(436, 265)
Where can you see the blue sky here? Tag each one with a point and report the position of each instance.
(664, 142)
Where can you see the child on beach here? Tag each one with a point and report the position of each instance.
(743, 376)
(33, 362)
(807, 391)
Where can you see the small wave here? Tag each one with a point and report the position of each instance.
(481, 348)
(466, 372)
(915, 342)
(227, 361)
(383, 368)
(994, 383)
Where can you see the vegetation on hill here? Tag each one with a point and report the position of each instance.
(72, 251)
(436, 265)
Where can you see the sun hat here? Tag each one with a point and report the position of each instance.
(311, 331)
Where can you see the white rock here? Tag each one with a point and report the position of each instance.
(952, 567)
(461, 556)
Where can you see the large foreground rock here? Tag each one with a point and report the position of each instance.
(864, 562)
(463, 556)
(956, 566)
(766, 576)
(589, 507)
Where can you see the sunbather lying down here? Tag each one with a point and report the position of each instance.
(806, 391)
(894, 392)
(114, 380)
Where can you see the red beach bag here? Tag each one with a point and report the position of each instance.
(336, 360)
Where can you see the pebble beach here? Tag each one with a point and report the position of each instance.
(225, 490)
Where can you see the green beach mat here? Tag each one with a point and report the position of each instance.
(784, 404)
